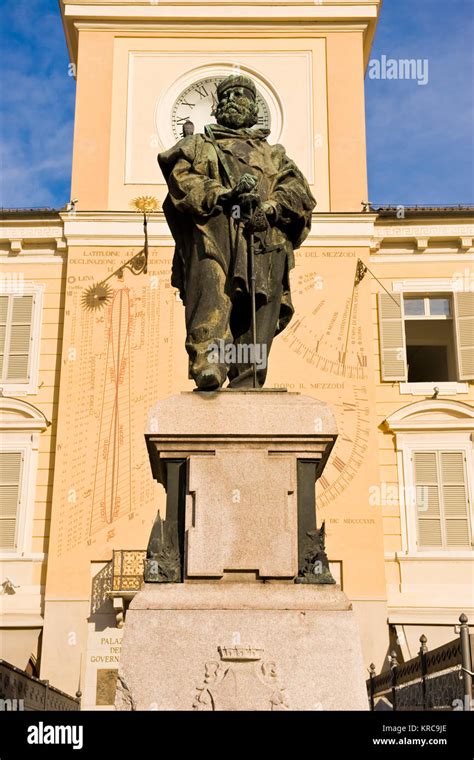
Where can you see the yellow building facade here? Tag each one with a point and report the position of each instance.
(383, 331)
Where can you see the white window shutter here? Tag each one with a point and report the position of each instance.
(393, 354)
(428, 513)
(3, 329)
(10, 480)
(442, 500)
(455, 500)
(20, 339)
(464, 320)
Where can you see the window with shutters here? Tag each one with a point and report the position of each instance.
(427, 337)
(11, 465)
(20, 317)
(21, 426)
(435, 464)
(442, 500)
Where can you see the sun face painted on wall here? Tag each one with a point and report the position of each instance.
(197, 103)
(329, 339)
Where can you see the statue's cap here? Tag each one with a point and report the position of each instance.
(236, 80)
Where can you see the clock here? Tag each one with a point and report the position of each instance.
(198, 101)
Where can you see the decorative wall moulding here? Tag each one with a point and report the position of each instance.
(401, 229)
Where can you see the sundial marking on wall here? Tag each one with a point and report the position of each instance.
(99, 294)
(111, 495)
(338, 348)
(113, 465)
(330, 339)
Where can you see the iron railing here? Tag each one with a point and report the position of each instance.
(436, 680)
(20, 691)
(122, 575)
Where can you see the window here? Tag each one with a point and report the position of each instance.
(10, 481)
(21, 425)
(427, 337)
(442, 502)
(19, 337)
(435, 459)
(427, 307)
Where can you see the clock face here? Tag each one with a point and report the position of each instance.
(197, 103)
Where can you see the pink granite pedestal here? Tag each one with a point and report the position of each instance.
(238, 633)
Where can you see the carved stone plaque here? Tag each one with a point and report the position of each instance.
(241, 680)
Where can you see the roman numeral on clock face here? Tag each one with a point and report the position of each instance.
(182, 119)
(201, 91)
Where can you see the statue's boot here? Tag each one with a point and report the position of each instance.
(209, 380)
(245, 380)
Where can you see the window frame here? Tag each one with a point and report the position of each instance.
(439, 286)
(407, 444)
(433, 339)
(426, 298)
(30, 387)
(21, 425)
(24, 444)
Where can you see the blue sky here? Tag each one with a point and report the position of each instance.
(420, 138)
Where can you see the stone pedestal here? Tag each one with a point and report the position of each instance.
(241, 646)
(239, 468)
(242, 450)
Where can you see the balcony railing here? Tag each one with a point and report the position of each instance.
(122, 576)
(20, 691)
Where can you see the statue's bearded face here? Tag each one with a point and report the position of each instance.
(237, 109)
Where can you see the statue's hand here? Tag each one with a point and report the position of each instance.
(241, 194)
(226, 199)
(248, 199)
(270, 211)
(246, 184)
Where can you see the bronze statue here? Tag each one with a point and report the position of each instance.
(237, 208)
(316, 564)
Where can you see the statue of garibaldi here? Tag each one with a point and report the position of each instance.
(237, 208)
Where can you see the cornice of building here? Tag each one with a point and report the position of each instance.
(443, 234)
(120, 228)
(25, 232)
(402, 213)
(8, 214)
(233, 16)
(426, 230)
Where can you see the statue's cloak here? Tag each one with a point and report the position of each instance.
(196, 180)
